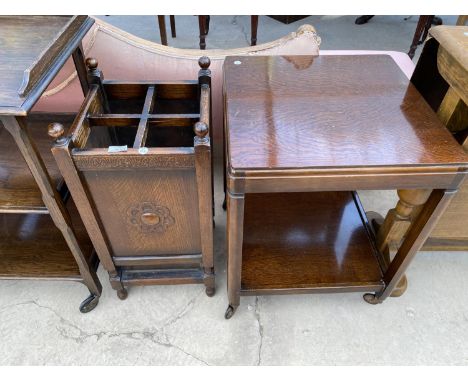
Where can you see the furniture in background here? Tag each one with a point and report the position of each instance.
(363, 19)
(441, 76)
(162, 28)
(41, 234)
(137, 161)
(294, 220)
(422, 28)
(288, 19)
(253, 30)
(462, 20)
(420, 34)
(204, 28)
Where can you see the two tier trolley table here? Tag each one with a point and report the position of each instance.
(303, 134)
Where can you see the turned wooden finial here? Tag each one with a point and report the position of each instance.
(201, 129)
(204, 74)
(91, 63)
(55, 130)
(204, 62)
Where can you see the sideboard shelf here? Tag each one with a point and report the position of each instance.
(307, 241)
(32, 247)
(19, 192)
(31, 244)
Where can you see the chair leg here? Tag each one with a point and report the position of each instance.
(253, 30)
(162, 29)
(418, 33)
(433, 20)
(173, 30)
(208, 19)
(429, 23)
(362, 20)
(202, 22)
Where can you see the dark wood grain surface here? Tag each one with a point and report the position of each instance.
(33, 49)
(330, 111)
(33, 247)
(306, 240)
(116, 194)
(18, 189)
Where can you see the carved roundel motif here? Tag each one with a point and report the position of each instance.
(150, 217)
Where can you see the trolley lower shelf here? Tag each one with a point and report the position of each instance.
(306, 242)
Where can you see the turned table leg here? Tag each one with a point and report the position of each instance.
(235, 227)
(396, 224)
(418, 233)
(398, 219)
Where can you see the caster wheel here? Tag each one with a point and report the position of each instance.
(210, 292)
(371, 298)
(224, 204)
(229, 312)
(122, 294)
(375, 219)
(89, 304)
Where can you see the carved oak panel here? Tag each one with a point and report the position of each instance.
(147, 209)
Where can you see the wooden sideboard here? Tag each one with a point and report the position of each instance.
(41, 234)
(441, 76)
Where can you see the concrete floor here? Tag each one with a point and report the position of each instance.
(178, 325)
